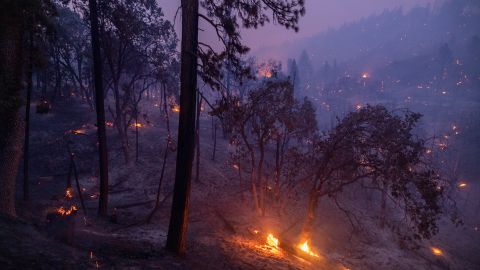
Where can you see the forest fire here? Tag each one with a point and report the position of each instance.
(305, 248)
(272, 241)
(65, 212)
(175, 108)
(137, 125)
(68, 193)
(79, 132)
(436, 251)
(462, 185)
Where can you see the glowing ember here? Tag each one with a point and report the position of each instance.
(69, 193)
(138, 125)
(65, 212)
(176, 108)
(267, 74)
(462, 185)
(305, 248)
(365, 75)
(109, 123)
(235, 166)
(79, 132)
(272, 241)
(436, 251)
(358, 106)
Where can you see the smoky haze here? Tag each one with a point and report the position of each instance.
(320, 16)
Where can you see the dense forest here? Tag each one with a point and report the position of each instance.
(127, 144)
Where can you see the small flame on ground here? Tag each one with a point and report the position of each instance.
(272, 241)
(462, 185)
(235, 166)
(109, 123)
(436, 251)
(255, 231)
(69, 193)
(365, 75)
(305, 248)
(79, 132)
(139, 125)
(176, 108)
(65, 212)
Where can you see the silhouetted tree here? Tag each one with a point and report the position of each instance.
(373, 143)
(224, 16)
(15, 17)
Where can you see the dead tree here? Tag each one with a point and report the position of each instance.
(100, 109)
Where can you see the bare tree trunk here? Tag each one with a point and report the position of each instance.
(11, 129)
(101, 131)
(311, 213)
(197, 139)
(177, 230)
(260, 178)
(136, 133)
(383, 208)
(277, 171)
(214, 140)
(26, 193)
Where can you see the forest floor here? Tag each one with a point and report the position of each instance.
(221, 219)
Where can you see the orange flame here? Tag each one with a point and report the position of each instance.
(462, 185)
(69, 193)
(79, 132)
(65, 212)
(436, 251)
(139, 125)
(272, 241)
(176, 108)
(305, 248)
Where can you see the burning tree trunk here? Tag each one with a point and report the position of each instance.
(177, 230)
(11, 130)
(102, 135)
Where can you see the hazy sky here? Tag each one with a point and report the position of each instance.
(320, 15)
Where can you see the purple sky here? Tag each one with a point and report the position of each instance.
(320, 15)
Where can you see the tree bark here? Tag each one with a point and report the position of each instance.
(383, 208)
(260, 178)
(11, 128)
(177, 230)
(99, 102)
(197, 139)
(311, 211)
(26, 146)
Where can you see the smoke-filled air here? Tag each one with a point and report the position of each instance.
(240, 134)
